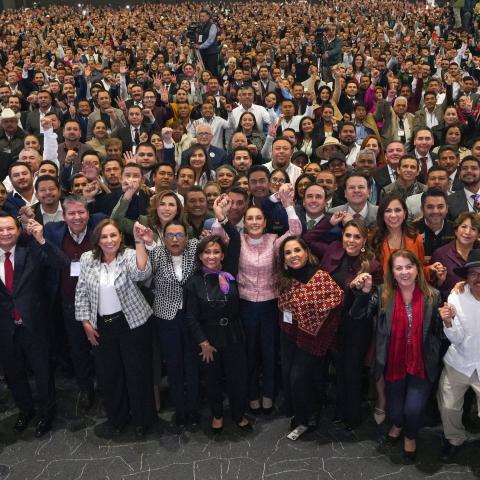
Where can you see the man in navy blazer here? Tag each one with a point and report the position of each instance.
(464, 200)
(72, 236)
(215, 156)
(23, 323)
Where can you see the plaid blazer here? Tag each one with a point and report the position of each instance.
(134, 306)
(167, 289)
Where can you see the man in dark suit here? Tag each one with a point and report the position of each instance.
(467, 199)
(215, 156)
(449, 158)
(423, 143)
(23, 192)
(23, 336)
(72, 235)
(388, 173)
(132, 134)
(45, 100)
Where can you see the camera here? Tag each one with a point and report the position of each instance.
(193, 31)
(320, 40)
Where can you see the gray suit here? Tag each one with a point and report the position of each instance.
(370, 220)
(119, 122)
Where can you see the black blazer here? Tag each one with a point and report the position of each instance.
(382, 177)
(105, 203)
(125, 135)
(28, 295)
(457, 203)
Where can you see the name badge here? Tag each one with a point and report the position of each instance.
(200, 39)
(288, 317)
(74, 269)
(401, 133)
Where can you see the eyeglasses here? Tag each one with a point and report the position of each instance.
(277, 181)
(178, 236)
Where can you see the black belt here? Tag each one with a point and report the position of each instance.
(112, 317)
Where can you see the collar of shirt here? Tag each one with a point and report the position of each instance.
(363, 212)
(12, 251)
(34, 200)
(59, 210)
(436, 232)
(78, 238)
(316, 220)
(469, 194)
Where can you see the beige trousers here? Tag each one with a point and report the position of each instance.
(451, 392)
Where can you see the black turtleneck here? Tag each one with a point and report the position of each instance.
(303, 274)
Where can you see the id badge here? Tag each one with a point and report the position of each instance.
(74, 269)
(288, 317)
(200, 39)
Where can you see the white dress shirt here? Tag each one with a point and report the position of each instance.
(464, 352)
(292, 170)
(78, 238)
(108, 301)
(363, 212)
(52, 217)
(261, 114)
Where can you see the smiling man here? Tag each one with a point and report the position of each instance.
(357, 191)
(406, 183)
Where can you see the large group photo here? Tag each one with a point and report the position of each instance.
(240, 240)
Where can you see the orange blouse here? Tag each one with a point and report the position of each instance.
(414, 246)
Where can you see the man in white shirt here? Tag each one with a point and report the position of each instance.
(462, 360)
(216, 123)
(245, 97)
(281, 155)
(289, 120)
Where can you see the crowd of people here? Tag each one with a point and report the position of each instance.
(244, 199)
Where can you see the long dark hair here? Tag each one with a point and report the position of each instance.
(381, 230)
(97, 232)
(367, 255)
(206, 167)
(284, 279)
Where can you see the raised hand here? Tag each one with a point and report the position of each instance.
(129, 157)
(142, 233)
(447, 313)
(363, 282)
(35, 229)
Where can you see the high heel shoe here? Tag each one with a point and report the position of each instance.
(247, 428)
(216, 430)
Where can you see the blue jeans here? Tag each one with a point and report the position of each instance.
(179, 354)
(260, 321)
(406, 401)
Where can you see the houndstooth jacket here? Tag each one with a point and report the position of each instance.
(134, 306)
(168, 290)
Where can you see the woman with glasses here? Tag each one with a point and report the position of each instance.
(173, 262)
(212, 312)
(278, 177)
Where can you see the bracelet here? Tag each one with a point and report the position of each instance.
(224, 221)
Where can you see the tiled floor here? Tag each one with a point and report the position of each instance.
(74, 451)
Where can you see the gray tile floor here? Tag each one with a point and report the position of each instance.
(74, 451)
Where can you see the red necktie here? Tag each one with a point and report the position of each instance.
(423, 167)
(9, 281)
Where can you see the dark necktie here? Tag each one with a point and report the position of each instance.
(8, 266)
(357, 216)
(423, 167)
(137, 136)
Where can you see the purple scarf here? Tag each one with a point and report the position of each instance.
(224, 279)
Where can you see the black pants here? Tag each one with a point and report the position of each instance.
(298, 372)
(210, 63)
(15, 351)
(353, 341)
(123, 362)
(229, 363)
(179, 354)
(80, 349)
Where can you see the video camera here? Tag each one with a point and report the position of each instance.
(320, 40)
(193, 31)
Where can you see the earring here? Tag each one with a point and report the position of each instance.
(362, 249)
